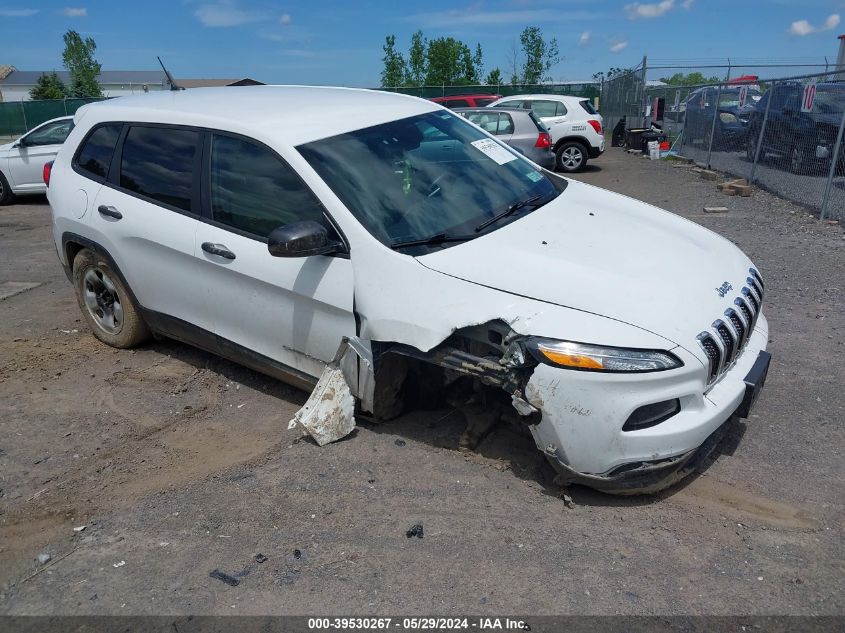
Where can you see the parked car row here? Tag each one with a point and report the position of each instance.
(800, 139)
(572, 123)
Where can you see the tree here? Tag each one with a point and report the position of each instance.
(478, 63)
(692, 79)
(494, 77)
(393, 73)
(539, 55)
(78, 58)
(449, 62)
(417, 62)
(611, 73)
(48, 87)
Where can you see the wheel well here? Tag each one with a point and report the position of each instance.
(72, 250)
(575, 139)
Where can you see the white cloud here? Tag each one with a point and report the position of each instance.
(224, 13)
(649, 10)
(800, 28)
(618, 47)
(17, 13)
(584, 39)
(687, 4)
(285, 18)
(75, 12)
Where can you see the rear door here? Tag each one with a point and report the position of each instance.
(26, 161)
(293, 311)
(548, 111)
(146, 216)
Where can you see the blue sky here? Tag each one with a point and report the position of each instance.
(340, 42)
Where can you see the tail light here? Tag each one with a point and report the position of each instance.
(544, 141)
(48, 167)
(596, 125)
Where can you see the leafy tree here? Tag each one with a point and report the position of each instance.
(478, 63)
(494, 77)
(539, 55)
(78, 58)
(394, 72)
(692, 79)
(611, 73)
(449, 62)
(417, 61)
(48, 87)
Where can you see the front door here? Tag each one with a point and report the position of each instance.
(294, 311)
(27, 158)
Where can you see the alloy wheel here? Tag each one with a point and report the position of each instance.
(571, 158)
(102, 300)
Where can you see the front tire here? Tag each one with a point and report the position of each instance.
(6, 195)
(571, 157)
(106, 303)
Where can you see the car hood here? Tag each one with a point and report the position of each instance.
(607, 254)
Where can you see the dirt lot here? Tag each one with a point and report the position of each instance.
(177, 463)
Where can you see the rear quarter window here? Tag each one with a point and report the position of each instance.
(95, 154)
(588, 106)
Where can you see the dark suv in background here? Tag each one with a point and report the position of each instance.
(732, 120)
(804, 139)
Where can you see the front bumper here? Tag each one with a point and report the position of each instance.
(583, 414)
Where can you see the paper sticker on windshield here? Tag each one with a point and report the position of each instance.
(493, 151)
(533, 176)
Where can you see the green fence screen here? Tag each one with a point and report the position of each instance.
(18, 117)
(586, 90)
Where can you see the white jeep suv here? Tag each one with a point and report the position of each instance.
(573, 123)
(621, 337)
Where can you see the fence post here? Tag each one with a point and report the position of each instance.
(64, 103)
(643, 97)
(762, 132)
(713, 123)
(833, 161)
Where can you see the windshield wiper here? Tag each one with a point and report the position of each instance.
(516, 206)
(437, 238)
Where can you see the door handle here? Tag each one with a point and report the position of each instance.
(109, 211)
(217, 249)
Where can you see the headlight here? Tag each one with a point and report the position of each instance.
(600, 358)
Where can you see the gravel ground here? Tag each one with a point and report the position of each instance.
(140, 472)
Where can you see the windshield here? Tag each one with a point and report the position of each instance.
(428, 175)
(829, 100)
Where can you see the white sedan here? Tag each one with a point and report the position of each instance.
(22, 161)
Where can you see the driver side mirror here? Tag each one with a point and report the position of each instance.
(301, 239)
(21, 142)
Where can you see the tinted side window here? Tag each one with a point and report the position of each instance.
(254, 191)
(158, 163)
(456, 103)
(585, 103)
(96, 153)
(560, 109)
(483, 101)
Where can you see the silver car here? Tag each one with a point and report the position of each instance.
(521, 129)
(22, 161)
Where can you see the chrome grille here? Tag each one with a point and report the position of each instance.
(724, 341)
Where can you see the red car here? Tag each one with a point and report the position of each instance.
(466, 101)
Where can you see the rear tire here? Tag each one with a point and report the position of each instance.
(6, 195)
(571, 157)
(106, 303)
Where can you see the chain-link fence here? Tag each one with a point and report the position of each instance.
(18, 117)
(622, 95)
(784, 134)
(588, 90)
